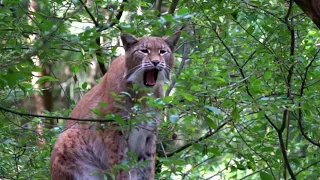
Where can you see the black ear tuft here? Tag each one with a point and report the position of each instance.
(128, 40)
(173, 40)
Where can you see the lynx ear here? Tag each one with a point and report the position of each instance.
(128, 40)
(173, 40)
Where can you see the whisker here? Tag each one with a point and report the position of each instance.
(166, 74)
(168, 67)
(149, 65)
(135, 72)
(132, 71)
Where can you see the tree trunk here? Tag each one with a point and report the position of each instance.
(311, 8)
(44, 101)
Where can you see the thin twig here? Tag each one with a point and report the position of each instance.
(53, 117)
(245, 142)
(118, 16)
(206, 136)
(300, 108)
(89, 13)
(307, 167)
(238, 66)
(244, 177)
(182, 63)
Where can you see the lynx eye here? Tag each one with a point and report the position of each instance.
(144, 51)
(162, 52)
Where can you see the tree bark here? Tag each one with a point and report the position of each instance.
(311, 8)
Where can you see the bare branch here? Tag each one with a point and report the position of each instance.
(245, 177)
(53, 117)
(118, 16)
(206, 136)
(182, 63)
(307, 167)
(105, 27)
(89, 13)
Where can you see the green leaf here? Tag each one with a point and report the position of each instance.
(250, 29)
(167, 99)
(36, 120)
(235, 113)
(265, 176)
(168, 18)
(189, 97)
(267, 149)
(119, 120)
(183, 11)
(102, 104)
(211, 123)
(84, 85)
(267, 75)
(26, 85)
(44, 79)
(96, 111)
(215, 151)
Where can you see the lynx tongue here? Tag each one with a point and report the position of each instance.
(151, 77)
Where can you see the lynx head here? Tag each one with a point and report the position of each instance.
(149, 60)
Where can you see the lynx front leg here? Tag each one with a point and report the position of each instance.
(147, 172)
(142, 142)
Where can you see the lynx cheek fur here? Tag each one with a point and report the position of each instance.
(86, 151)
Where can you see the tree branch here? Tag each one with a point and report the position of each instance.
(89, 13)
(105, 27)
(254, 151)
(53, 117)
(173, 6)
(285, 118)
(182, 63)
(171, 10)
(206, 136)
(307, 167)
(303, 84)
(267, 13)
(311, 8)
(158, 6)
(237, 64)
(251, 174)
(102, 28)
(302, 130)
(285, 156)
(44, 39)
(118, 16)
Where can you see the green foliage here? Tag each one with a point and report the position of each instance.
(246, 72)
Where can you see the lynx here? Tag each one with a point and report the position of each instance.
(88, 151)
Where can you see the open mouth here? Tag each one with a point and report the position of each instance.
(150, 77)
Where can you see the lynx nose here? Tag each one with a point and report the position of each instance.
(155, 62)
